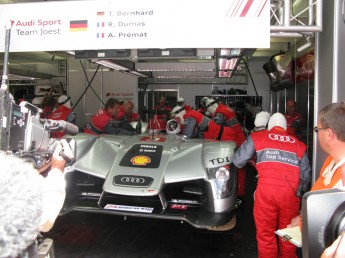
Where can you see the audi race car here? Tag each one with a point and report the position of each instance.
(164, 176)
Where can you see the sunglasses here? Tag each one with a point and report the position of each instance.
(317, 129)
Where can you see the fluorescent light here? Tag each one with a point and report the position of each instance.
(309, 41)
(304, 47)
(111, 65)
(134, 73)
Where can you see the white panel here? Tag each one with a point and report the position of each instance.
(103, 24)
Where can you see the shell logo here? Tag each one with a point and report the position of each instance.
(140, 160)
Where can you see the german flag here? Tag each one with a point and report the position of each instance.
(100, 13)
(80, 25)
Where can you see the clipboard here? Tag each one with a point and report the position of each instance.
(293, 235)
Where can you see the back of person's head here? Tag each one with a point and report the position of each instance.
(261, 119)
(333, 116)
(65, 100)
(37, 101)
(111, 102)
(277, 119)
(21, 193)
(49, 101)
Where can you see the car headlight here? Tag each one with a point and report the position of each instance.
(222, 174)
(222, 180)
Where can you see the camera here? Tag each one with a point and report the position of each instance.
(323, 216)
(26, 135)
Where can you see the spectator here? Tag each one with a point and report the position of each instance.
(330, 131)
(126, 112)
(294, 120)
(30, 202)
(63, 112)
(104, 121)
(283, 169)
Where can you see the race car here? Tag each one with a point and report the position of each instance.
(154, 176)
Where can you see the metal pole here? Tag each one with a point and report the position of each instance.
(4, 81)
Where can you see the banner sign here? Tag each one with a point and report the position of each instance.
(135, 24)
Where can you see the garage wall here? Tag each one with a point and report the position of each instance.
(122, 86)
(105, 84)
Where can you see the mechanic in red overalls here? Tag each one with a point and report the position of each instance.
(294, 119)
(181, 102)
(163, 106)
(126, 112)
(224, 115)
(211, 129)
(104, 122)
(284, 173)
(62, 112)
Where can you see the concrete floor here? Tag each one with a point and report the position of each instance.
(93, 235)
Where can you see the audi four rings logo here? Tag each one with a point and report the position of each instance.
(129, 179)
(281, 138)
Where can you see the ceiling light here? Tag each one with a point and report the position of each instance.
(110, 64)
(135, 73)
(309, 42)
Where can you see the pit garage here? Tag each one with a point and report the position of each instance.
(290, 50)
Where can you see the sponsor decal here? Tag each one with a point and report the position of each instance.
(184, 201)
(281, 138)
(281, 156)
(128, 208)
(143, 156)
(90, 194)
(178, 207)
(140, 160)
(79, 25)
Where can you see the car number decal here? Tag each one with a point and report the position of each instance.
(128, 208)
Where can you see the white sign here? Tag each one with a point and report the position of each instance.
(128, 208)
(133, 24)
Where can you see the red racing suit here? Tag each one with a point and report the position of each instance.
(98, 122)
(294, 123)
(61, 113)
(283, 168)
(224, 115)
(210, 128)
(130, 118)
(163, 117)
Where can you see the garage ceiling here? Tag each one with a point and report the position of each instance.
(289, 30)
